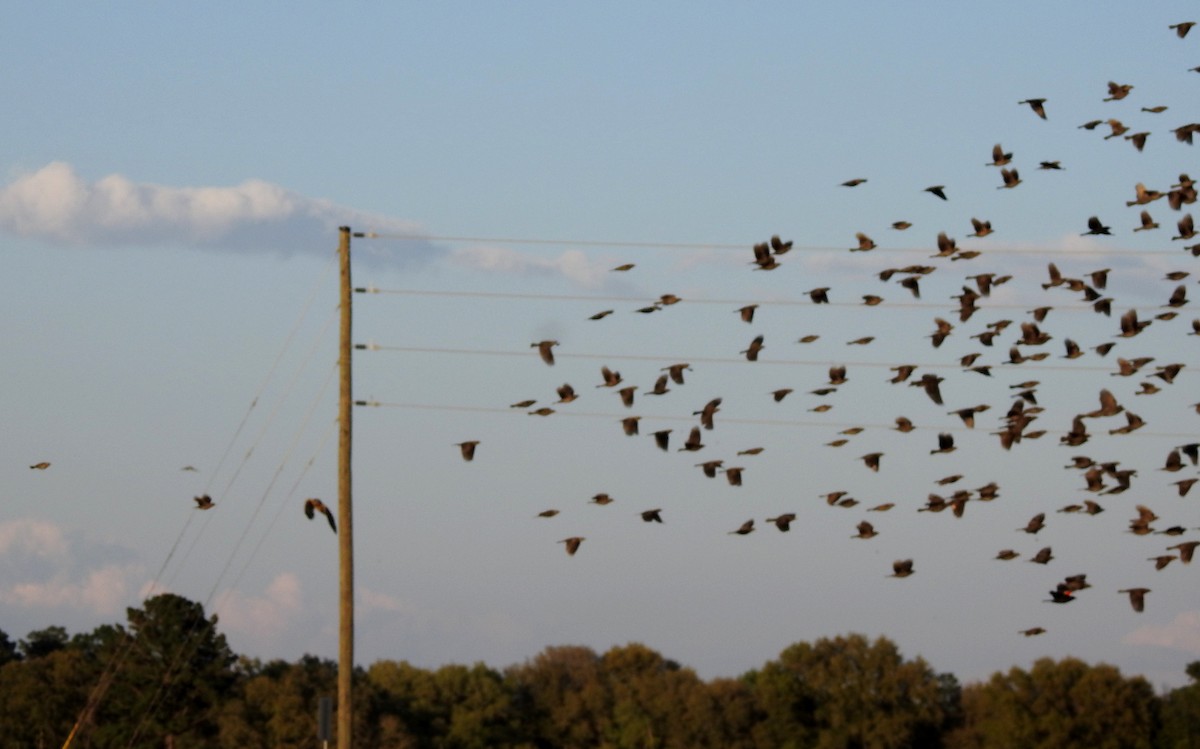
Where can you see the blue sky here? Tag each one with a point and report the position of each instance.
(168, 208)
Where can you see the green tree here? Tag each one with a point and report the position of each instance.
(42, 697)
(1180, 726)
(169, 676)
(8, 649)
(849, 692)
(1059, 705)
(43, 642)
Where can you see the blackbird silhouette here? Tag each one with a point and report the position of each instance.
(902, 568)
(204, 502)
(652, 516)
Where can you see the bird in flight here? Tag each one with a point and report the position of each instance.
(40, 466)
(1037, 105)
(313, 506)
(572, 544)
(204, 502)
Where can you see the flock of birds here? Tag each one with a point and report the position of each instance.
(1100, 478)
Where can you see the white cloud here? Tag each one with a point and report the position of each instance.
(102, 591)
(35, 537)
(1182, 633)
(261, 617)
(54, 203)
(40, 567)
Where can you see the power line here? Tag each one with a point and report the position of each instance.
(744, 247)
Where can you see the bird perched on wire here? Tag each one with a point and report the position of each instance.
(313, 506)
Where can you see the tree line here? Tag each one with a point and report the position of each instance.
(168, 678)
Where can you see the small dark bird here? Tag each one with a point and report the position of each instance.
(747, 312)
(707, 413)
(545, 350)
(1138, 140)
(780, 394)
(1182, 29)
(854, 182)
(602, 499)
(1137, 598)
(572, 544)
(522, 404)
(623, 268)
(865, 530)
(710, 467)
(1007, 554)
(784, 521)
(40, 466)
(733, 475)
(675, 372)
(819, 295)
(1035, 524)
(945, 444)
(938, 190)
(652, 516)
(1010, 177)
(901, 225)
(547, 513)
(692, 443)
(467, 448)
(1186, 550)
(1037, 105)
(999, 157)
(661, 437)
(902, 568)
(872, 461)
(601, 315)
(745, 528)
(1042, 557)
(1051, 165)
(1095, 227)
(313, 505)
(931, 383)
(204, 502)
(1062, 594)
(904, 424)
(630, 425)
(1118, 91)
(1032, 631)
(566, 394)
(755, 346)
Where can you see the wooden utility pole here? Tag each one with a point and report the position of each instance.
(345, 711)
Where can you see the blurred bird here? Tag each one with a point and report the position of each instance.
(1062, 594)
(545, 350)
(902, 568)
(40, 466)
(945, 444)
(854, 182)
(747, 312)
(733, 475)
(1186, 550)
(692, 443)
(1035, 524)
(630, 425)
(872, 461)
(547, 513)
(1037, 105)
(784, 521)
(1043, 556)
(1117, 91)
(865, 243)
(1007, 554)
(745, 528)
(675, 372)
(1010, 177)
(572, 544)
(602, 499)
(999, 157)
(755, 346)
(652, 516)
(1095, 227)
(938, 190)
(661, 437)
(707, 413)
(204, 502)
(1182, 29)
(1032, 631)
(467, 449)
(1137, 598)
(313, 506)
(865, 531)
